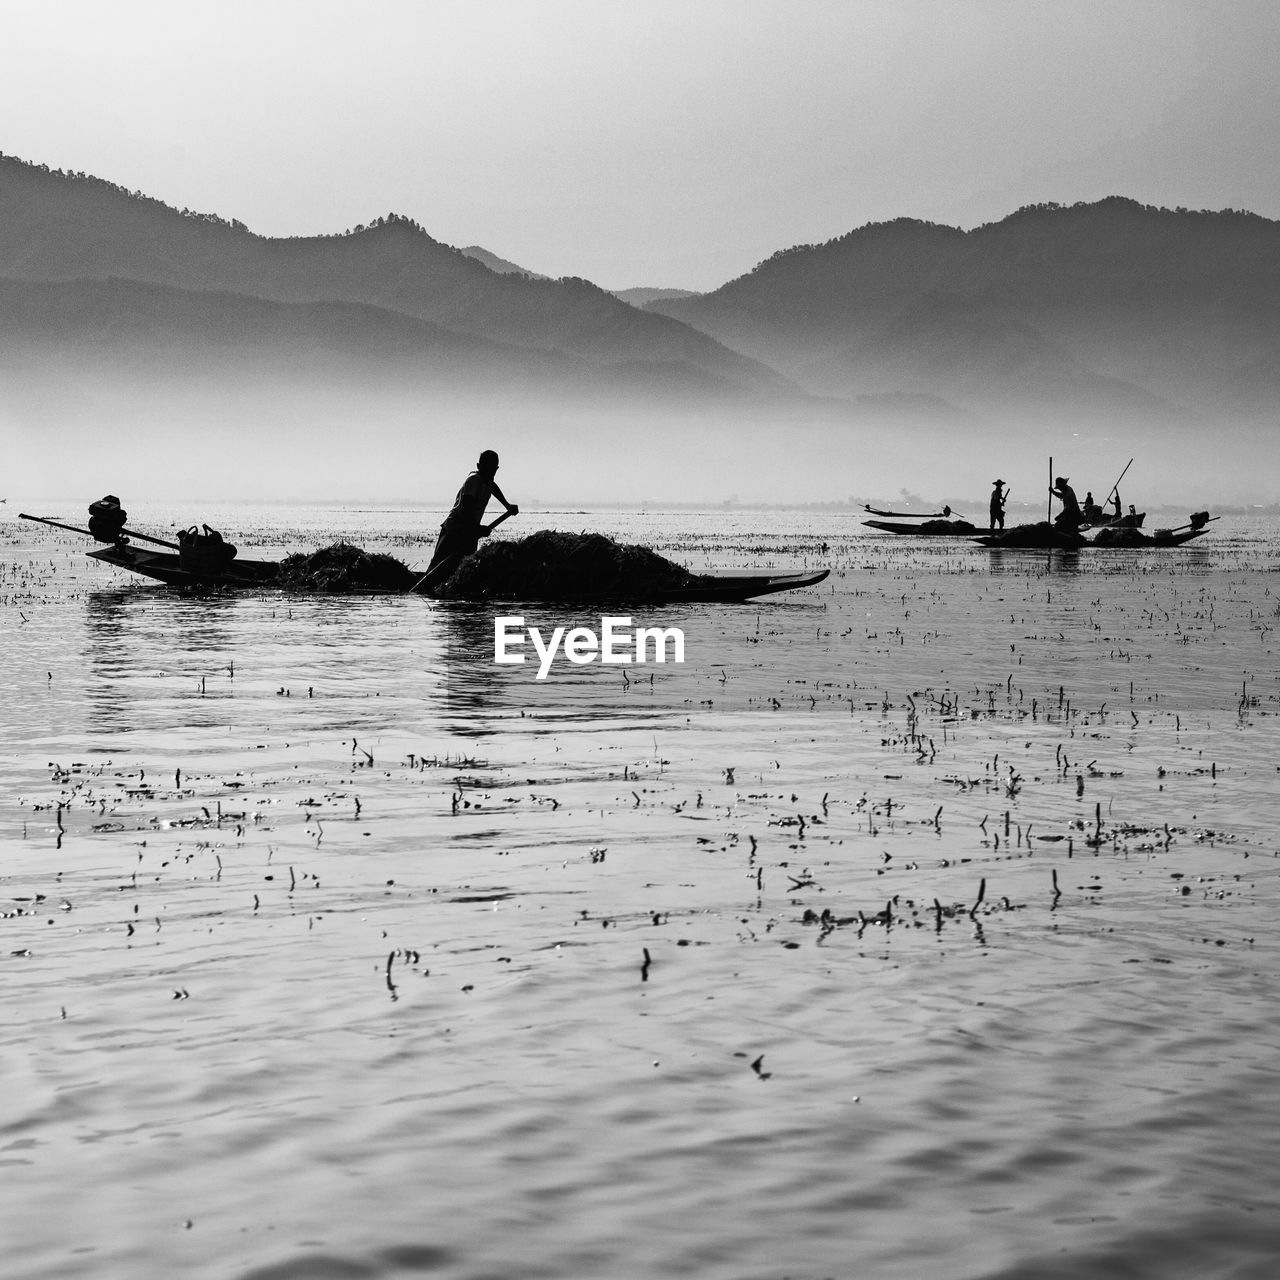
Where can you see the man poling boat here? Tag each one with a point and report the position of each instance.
(464, 526)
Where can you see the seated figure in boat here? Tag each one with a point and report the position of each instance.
(1070, 517)
(1093, 513)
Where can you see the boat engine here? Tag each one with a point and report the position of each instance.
(106, 519)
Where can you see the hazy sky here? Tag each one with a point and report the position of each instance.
(647, 142)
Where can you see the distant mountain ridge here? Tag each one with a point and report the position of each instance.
(903, 345)
(1105, 310)
(641, 296)
(500, 265)
(636, 297)
(57, 227)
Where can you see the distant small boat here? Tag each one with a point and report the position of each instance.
(1131, 521)
(908, 515)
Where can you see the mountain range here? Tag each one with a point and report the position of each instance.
(418, 296)
(1113, 320)
(1096, 313)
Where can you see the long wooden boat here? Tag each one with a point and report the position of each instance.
(907, 515)
(1118, 537)
(728, 586)
(1124, 537)
(934, 528)
(1133, 520)
(723, 586)
(167, 567)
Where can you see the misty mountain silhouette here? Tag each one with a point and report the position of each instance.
(121, 327)
(63, 228)
(1107, 310)
(899, 343)
(501, 265)
(636, 297)
(641, 296)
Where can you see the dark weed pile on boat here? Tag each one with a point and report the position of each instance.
(341, 567)
(550, 565)
(1121, 536)
(1043, 534)
(947, 526)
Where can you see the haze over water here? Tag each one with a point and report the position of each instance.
(917, 926)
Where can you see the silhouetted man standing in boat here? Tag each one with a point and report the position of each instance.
(462, 529)
(999, 496)
(1070, 517)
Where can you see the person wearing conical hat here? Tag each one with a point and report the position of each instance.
(999, 496)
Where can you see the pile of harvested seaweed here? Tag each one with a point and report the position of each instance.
(1036, 535)
(550, 565)
(341, 567)
(947, 526)
(1120, 536)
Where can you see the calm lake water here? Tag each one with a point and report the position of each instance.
(921, 924)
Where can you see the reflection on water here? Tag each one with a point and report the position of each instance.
(189, 634)
(1033, 560)
(107, 648)
(160, 661)
(1191, 558)
(483, 697)
(475, 694)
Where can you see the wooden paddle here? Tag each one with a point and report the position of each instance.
(430, 573)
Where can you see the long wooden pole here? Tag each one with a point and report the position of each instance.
(1049, 509)
(1191, 524)
(146, 537)
(57, 524)
(430, 573)
(71, 528)
(1116, 486)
